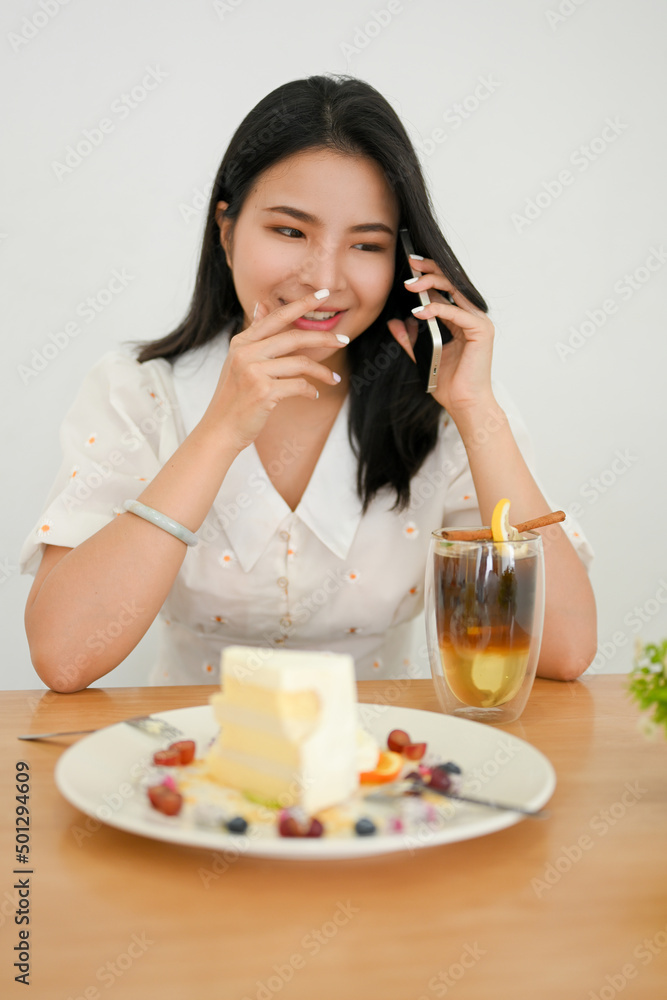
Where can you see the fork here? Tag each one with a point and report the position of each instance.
(148, 724)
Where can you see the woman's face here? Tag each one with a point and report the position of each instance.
(318, 219)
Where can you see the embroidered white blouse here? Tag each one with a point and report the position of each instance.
(320, 577)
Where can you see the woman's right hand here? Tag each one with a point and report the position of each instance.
(263, 366)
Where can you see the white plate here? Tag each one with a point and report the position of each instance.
(99, 775)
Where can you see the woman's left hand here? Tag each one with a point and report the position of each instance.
(464, 377)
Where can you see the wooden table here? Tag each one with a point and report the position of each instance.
(571, 907)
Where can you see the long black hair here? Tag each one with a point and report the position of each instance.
(393, 422)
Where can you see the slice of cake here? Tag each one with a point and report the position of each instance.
(288, 727)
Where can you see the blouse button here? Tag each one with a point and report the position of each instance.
(282, 581)
(285, 622)
(284, 535)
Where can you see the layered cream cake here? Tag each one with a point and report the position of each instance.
(288, 727)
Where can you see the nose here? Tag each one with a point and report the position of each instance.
(322, 266)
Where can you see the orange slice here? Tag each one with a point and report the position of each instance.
(500, 521)
(387, 768)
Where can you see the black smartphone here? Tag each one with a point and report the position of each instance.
(431, 333)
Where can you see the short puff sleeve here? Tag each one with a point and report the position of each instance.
(122, 427)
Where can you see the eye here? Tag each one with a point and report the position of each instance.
(371, 247)
(288, 231)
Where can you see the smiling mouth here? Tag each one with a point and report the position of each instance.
(317, 314)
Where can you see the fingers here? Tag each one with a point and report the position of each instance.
(267, 322)
(400, 331)
(434, 278)
(295, 365)
(290, 341)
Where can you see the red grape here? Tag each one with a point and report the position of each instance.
(185, 750)
(397, 740)
(440, 780)
(165, 800)
(414, 751)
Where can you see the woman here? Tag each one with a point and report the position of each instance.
(284, 422)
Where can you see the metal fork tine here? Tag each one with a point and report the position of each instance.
(148, 724)
(154, 727)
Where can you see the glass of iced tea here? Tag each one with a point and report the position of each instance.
(484, 616)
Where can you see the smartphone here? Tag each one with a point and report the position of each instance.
(431, 333)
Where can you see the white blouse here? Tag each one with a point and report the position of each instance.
(320, 577)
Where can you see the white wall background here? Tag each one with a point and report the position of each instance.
(556, 72)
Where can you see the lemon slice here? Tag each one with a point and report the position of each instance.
(500, 522)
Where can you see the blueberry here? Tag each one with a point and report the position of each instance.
(450, 767)
(416, 777)
(364, 827)
(237, 825)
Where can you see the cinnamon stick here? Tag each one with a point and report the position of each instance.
(484, 534)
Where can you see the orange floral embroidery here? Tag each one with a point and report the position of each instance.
(91, 439)
(411, 529)
(353, 576)
(44, 529)
(227, 558)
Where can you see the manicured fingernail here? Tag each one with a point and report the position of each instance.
(418, 309)
(342, 339)
(256, 308)
(411, 281)
(416, 256)
(336, 376)
(322, 294)
(317, 394)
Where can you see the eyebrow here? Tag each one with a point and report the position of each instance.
(297, 213)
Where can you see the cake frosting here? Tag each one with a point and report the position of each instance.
(288, 727)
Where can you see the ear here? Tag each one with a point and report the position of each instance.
(225, 226)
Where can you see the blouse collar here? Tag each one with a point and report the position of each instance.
(248, 506)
